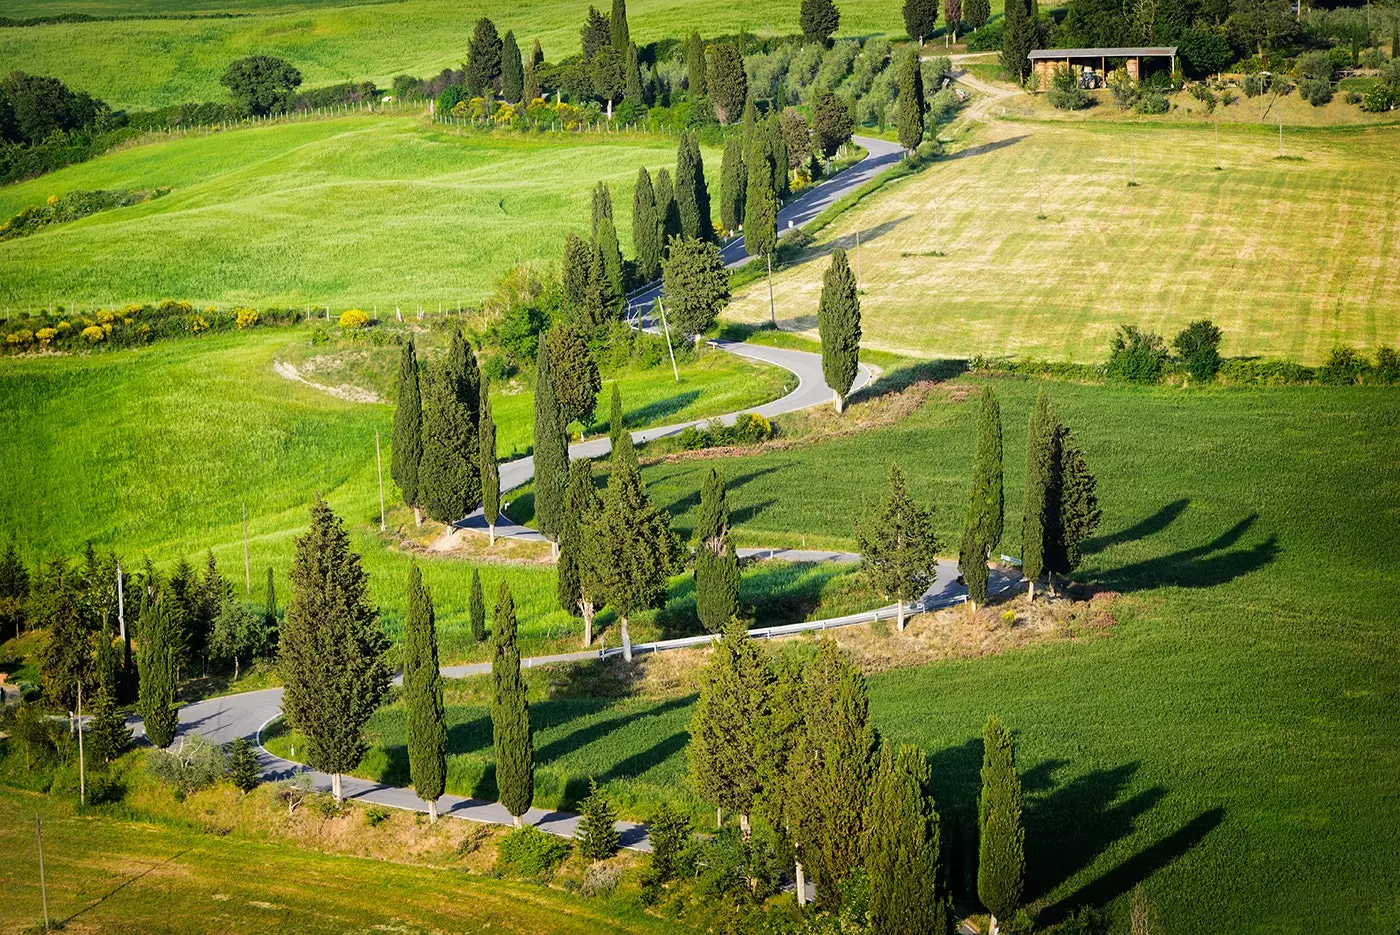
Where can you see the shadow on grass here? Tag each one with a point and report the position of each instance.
(638, 763)
(901, 378)
(1142, 529)
(691, 500)
(985, 148)
(583, 736)
(119, 887)
(652, 412)
(1204, 566)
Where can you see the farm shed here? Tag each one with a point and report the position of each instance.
(1048, 61)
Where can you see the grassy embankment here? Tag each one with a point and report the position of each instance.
(363, 211)
(152, 452)
(1288, 257)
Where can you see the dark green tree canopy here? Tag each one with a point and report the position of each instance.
(727, 83)
(1018, 39)
(732, 185)
(976, 13)
(920, 19)
(668, 213)
(578, 255)
(819, 20)
(575, 372)
(911, 100)
(551, 446)
(483, 58)
(1039, 493)
(449, 473)
(1001, 855)
(512, 70)
(903, 862)
(646, 228)
(730, 717)
(596, 34)
(422, 682)
(760, 200)
(692, 194)
(695, 65)
(899, 552)
(513, 738)
(982, 526)
(155, 664)
(490, 467)
(621, 36)
(838, 322)
(695, 285)
(261, 84)
(632, 543)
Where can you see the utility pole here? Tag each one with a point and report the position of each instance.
(937, 232)
(1217, 142)
(666, 328)
(247, 570)
(379, 464)
(43, 886)
(1280, 137)
(82, 762)
(1132, 155)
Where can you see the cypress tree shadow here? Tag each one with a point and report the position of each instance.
(119, 887)
(575, 740)
(1068, 827)
(985, 148)
(901, 378)
(1139, 867)
(956, 781)
(661, 408)
(783, 592)
(638, 763)
(690, 501)
(1142, 529)
(470, 736)
(1201, 567)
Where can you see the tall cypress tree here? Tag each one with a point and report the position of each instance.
(838, 323)
(270, 607)
(617, 424)
(732, 185)
(730, 715)
(646, 228)
(899, 552)
(687, 186)
(333, 655)
(476, 608)
(906, 894)
(1001, 851)
(450, 474)
(832, 767)
(982, 527)
(108, 734)
(490, 467)
(577, 573)
(819, 20)
(551, 458)
(695, 65)
(530, 83)
(602, 206)
(1074, 512)
(668, 213)
(977, 12)
(601, 300)
(780, 797)
(920, 18)
(611, 252)
(717, 576)
(422, 683)
(1018, 38)
(911, 101)
(632, 545)
(1040, 475)
(632, 91)
(155, 664)
(483, 59)
(578, 256)
(621, 35)
(761, 211)
(512, 70)
(66, 659)
(408, 431)
(513, 739)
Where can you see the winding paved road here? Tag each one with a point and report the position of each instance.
(245, 715)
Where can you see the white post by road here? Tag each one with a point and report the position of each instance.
(379, 465)
(667, 332)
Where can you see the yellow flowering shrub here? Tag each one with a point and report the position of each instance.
(198, 323)
(352, 319)
(245, 317)
(64, 327)
(21, 336)
(105, 317)
(53, 199)
(93, 334)
(45, 335)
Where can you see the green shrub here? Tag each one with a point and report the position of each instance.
(1316, 91)
(530, 852)
(1152, 102)
(1123, 87)
(1137, 356)
(192, 764)
(1345, 366)
(1065, 92)
(376, 815)
(1198, 345)
(1264, 372)
(1255, 85)
(1205, 95)
(1387, 366)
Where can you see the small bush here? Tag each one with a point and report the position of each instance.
(191, 765)
(1316, 91)
(376, 815)
(600, 879)
(1345, 366)
(1152, 102)
(597, 835)
(1387, 366)
(1198, 344)
(1065, 92)
(1255, 85)
(1123, 87)
(530, 852)
(1205, 95)
(1137, 356)
(353, 319)
(1228, 98)
(245, 318)
(93, 334)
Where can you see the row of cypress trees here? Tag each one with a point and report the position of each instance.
(792, 742)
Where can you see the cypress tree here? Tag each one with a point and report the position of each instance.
(1001, 851)
(695, 65)
(1018, 38)
(728, 722)
(575, 372)
(14, 590)
(1075, 513)
(1040, 470)
(716, 564)
(692, 199)
(986, 509)
(483, 59)
(777, 147)
(668, 213)
(597, 837)
(602, 206)
(621, 35)
(332, 652)
(911, 101)
(551, 458)
(761, 212)
(155, 664)
(243, 769)
(977, 12)
(66, 659)
(646, 228)
(617, 424)
(832, 767)
(422, 683)
(631, 544)
(270, 607)
(600, 299)
(490, 467)
(596, 35)
(513, 739)
(750, 124)
(632, 82)
(819, 20)
(920, 18)
(108, 735)
(512, 70)
(476, 608)
(903, 859)
(577, 574)
(695, 285)
(732, 185)
(578, 256)
(780, 797)
(408, 431)
(838, 323)
(450, 474)
(899, 552)
(612, 256)
(728, 84)
(536, 54)
(530, 82)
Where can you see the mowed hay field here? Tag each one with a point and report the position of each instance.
(1289, 257)
(365, 211)
(112, 874)
(154, 453)
(146, 63)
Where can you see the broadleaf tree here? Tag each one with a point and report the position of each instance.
(899, 552)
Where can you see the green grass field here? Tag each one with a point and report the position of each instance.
(156, 62)
(360, 211)
(110, 874)
(1289, 258)
(153, 452)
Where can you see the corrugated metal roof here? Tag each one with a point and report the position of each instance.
(1103, 53)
